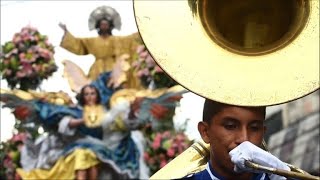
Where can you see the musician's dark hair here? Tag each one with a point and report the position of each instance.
(212, 108)
(80, 96)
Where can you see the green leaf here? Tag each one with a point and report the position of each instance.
(167, 144)
(2, 65)
(9, 46)
(14, 63)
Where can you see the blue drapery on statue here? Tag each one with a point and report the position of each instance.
(101, 84)
(51, 114)
(126, 156)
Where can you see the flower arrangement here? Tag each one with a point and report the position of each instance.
(149, 72)
(10, 156)
(162, 147)
(27, 59)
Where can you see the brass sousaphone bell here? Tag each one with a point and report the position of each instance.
(247, 53)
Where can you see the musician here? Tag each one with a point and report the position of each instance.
(237, 47)
(235, 134)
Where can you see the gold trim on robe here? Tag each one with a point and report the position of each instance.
(65, 167)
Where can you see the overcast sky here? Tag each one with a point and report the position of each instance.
(46, 15)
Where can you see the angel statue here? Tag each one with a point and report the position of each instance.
(105, 47)
(93, 139)
(64, 124)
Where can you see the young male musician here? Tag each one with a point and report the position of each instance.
(235, 134)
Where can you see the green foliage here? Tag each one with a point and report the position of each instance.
(27, 59)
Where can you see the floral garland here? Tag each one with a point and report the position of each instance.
(149, 72)
(27, 59)
(164, 147)
(10, 156)
(163, 142)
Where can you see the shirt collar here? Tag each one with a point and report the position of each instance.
(215, 176)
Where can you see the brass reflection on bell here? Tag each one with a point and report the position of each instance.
(246, 52)
(192, 160)
(93, 115)
(253, 27)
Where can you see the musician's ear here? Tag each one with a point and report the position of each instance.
(203, 129)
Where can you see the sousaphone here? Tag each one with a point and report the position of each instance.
(246, 52)
(240, 52)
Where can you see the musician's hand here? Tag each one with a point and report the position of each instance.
(248, 151)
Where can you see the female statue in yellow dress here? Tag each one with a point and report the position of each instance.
(105, 47)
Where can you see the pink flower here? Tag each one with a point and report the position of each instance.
(143, 54)
(7, 72)
(136, 64)
(16, 38)
(140, 74)
(27, 68)
(22, 55)
(157, 69)
(145, 71)
(180, 149)
(36, 68)
(32, 29)
(13, 51)
(19, 137)
(48, 43)
(171, 152)
(30, 51)
(156, 145)
(157, 141)
(166, 134)
(7, 162)
(150, 61)
(24, 31)
(26, 37)
(45, 53)
(29, 57)
(146, 156)
(180, 137)
(20, 74)
(140, 48)
(163, 163)
(20, 146)
(21, 46)
(141, 61)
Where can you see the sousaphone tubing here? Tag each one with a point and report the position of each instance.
(248, 52)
